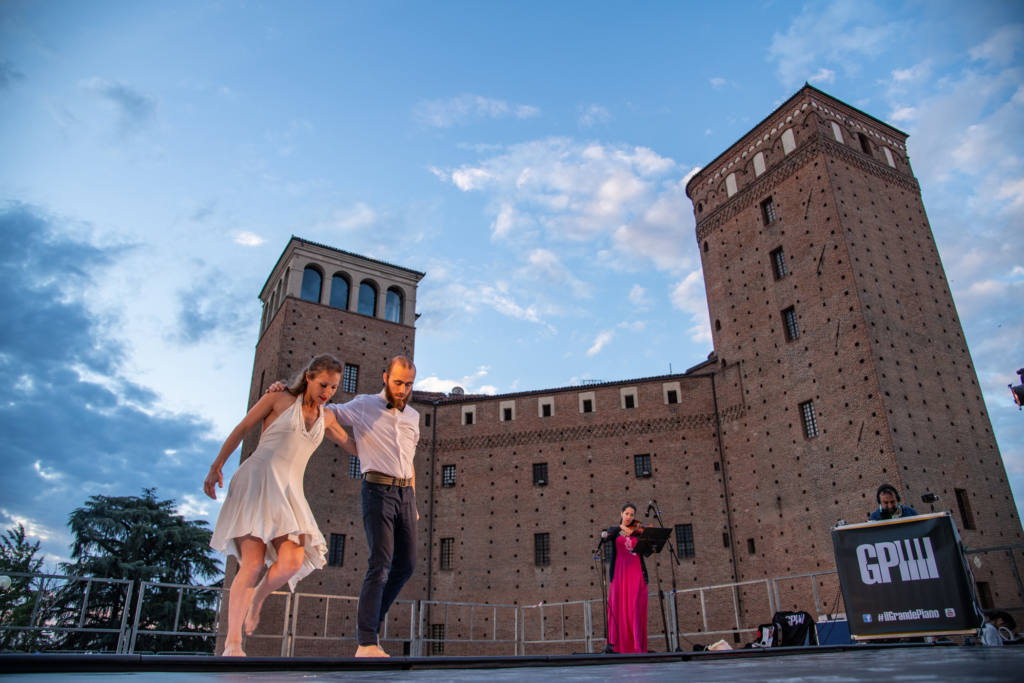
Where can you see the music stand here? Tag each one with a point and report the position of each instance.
(651, 541)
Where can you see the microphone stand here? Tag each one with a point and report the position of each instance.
(604, 593)
(675, 595)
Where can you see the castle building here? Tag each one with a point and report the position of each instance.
(839, 364)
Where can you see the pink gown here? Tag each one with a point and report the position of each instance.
(627, 600)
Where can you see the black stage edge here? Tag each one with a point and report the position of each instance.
(87, 663)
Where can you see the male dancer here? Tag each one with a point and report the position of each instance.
(386, 431)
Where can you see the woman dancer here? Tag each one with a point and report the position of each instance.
(265, 518)
(627, 592)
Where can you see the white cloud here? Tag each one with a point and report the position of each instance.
(359, 215)
(638, 297)
(594, 114)
(248, 239)
(1001, 46)
(1012, 191)
(901, 114)
(466, 108)
(545, 266)
(33, 528)
(562, 190)
(717, 82)
(600, 342)
(192, 506)
(839, 34)
(470, 383)
(912, 74)
(688, 295)
(822, 75)
(48, 474)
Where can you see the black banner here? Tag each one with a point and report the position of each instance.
(905, 577)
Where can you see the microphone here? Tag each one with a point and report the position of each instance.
(650, 507)
(390, 406)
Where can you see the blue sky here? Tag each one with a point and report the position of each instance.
(529, 157)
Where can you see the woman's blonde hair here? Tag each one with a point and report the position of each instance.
(322, 363)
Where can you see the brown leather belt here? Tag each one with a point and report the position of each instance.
(387, 480)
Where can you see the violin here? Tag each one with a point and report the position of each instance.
(633, 528)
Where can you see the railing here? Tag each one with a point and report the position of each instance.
(176, 630)
(428, 609)
(58, 607)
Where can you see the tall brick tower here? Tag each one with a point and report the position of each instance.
(318, 299)
(825, 287)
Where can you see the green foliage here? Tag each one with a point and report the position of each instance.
(137, 538)
(18, 560)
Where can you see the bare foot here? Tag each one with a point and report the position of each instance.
(252, 618)
(370, 651)
(232, 651)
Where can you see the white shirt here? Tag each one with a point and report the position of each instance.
(990, 635)
(386, 439)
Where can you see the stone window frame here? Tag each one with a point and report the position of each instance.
(316, 270)
(400, 296)
(669, 387)
(504, 406)
(359, 297)
(628, 392)
(585, 396)
(469, 415)
(548, 401)
(344, 277)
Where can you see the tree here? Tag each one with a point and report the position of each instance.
(139, 538)
(18, 560)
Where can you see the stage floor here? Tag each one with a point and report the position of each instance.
(838, 665)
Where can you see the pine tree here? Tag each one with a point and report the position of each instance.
(139, 538)
(18, 560)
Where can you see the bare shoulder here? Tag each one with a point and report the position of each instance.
(278, 401)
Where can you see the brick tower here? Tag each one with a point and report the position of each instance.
(825, 288)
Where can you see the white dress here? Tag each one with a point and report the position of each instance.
(265, 497)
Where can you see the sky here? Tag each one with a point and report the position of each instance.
(529, 157)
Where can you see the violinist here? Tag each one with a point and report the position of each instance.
(627, 592)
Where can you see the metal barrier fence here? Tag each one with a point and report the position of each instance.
(58, 607)
(61, 605)
(139, 627)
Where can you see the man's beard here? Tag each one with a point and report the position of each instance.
(392, 401)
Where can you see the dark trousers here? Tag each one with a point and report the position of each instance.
(389, 517)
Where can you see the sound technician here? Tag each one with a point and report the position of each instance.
(889, 506)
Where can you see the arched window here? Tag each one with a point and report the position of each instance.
(393, 305)
(311, 283)
(339, 291)
(367, 299)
